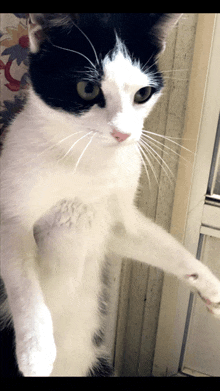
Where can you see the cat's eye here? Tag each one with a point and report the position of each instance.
(87, 90)
(143, 94)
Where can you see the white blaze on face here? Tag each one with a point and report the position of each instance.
(122, 79)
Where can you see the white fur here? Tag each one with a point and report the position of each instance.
(81, 210)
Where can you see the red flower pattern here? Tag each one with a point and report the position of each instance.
(14, 43)
(13, 85)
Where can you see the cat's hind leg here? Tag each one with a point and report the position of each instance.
(35, 347)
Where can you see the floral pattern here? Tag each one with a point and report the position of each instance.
(13, 64)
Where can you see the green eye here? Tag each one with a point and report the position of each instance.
(143, 94)
(87, 90)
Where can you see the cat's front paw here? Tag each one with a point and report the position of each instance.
(208, 288)
(36, 350)
(212, 307)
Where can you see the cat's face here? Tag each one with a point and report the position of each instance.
(99, 68)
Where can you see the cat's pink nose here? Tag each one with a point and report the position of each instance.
(119, 136)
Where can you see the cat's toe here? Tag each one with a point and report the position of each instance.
(212, 307)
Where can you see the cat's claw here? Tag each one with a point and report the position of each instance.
(210, 288)
(212, 307)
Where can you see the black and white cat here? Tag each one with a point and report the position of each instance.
(69, 172)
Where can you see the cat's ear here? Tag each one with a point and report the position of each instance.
(161, 28)
(35, 31)
(39, 26)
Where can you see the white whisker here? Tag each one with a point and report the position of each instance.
(154, 142)
(149, 146)
(84, 150)
(162, 160)
(171, 70)
(167, 153)
(174, 70)
(144, 67)
(145, 167)
(74, 51)
(89, 42)
(70, 149)
(51, 147)
(149, 161)
(167, 138)
(59, 142)
(162, 163)
(174, 78)
(158, 147)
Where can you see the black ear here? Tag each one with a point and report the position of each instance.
(39, 26)
(162, 24)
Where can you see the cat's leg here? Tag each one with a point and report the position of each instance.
(141, 239)
(35, 347)
(62, 235)
(70, 238)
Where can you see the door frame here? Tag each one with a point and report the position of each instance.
(201, 122)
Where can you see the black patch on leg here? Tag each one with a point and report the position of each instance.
(102, 368)
(98, 338)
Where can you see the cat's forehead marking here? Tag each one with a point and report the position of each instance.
(123, 70)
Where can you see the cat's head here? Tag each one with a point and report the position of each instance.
(100, 68)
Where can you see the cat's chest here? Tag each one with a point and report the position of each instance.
(54, 186)
(50, 186)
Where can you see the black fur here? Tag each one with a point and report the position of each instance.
(102, 368)
(98, 338)
(54, 72)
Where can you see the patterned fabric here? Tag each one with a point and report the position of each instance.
(13, 64)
